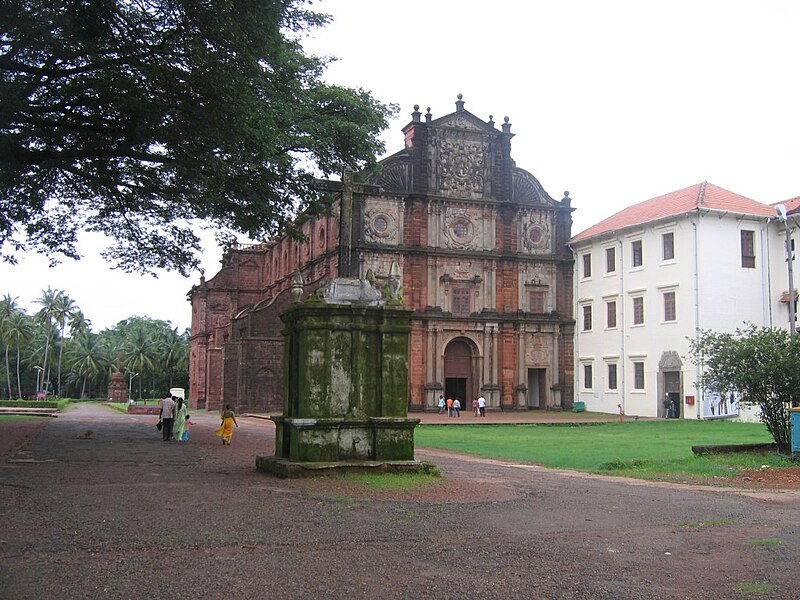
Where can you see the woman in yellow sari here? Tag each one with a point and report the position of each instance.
(225, 430)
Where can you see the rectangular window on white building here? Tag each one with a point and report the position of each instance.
(587, 266)
(587, 377)
(638, 310)
(611, 260)
(587, 317)
(612, 376)
(638, 375)
(668, 246)
(636, 253)
(669, 306)
(611, 314)
(748, 249)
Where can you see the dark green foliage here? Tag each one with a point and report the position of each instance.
(762, 364)
(135, 119)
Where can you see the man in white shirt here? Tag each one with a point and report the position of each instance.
(482, 405)
(167, 417)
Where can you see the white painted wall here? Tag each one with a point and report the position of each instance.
(712, 291)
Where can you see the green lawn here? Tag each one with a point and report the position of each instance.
(644, 449)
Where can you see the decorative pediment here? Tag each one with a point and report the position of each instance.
(463, 120)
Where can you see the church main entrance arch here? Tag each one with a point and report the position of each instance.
(458, 379)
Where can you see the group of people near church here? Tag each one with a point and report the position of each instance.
(174, 418)
(453, 406)
(174, 421)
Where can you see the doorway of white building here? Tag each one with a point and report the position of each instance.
(672, 395)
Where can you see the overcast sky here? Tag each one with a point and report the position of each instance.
(615, 101)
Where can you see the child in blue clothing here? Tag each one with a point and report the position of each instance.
(185, 437)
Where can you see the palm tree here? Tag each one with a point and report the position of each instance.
(78, 323)
(64, 307)
(175, 350)
(8, 306)
(20, 333)
(48, 301)
(88, 357)
(139, 350)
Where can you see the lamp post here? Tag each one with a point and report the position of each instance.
(39, 371)
(130, 384)
(780, 211)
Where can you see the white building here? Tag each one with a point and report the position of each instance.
(648, 277)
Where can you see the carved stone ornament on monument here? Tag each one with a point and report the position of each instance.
(459, 229)
(461, 163)
(381, 226)
(536, 235)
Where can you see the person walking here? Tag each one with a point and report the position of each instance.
(167, 416)
(449, 407)
(180, 418)
(474, 407)
(225, 430)
(441, 404)
(457, 407)
(482, 405)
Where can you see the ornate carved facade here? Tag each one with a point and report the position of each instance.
(484, 260)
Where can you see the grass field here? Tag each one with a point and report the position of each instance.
(643, 449)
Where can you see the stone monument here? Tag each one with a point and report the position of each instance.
(117, 391)
(345, 384)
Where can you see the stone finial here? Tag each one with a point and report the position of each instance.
(491, 120)
(416, 114)
(460, 103)
(566, 200)
(428, 115)
(297, 286)
(506, 125)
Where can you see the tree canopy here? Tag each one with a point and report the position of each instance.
(140, 119)
(760, 363)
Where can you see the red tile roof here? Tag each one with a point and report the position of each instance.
(792, 204)
(703, 195)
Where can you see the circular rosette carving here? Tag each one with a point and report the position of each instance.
(461, 232)
(381, 226)
(535, 237)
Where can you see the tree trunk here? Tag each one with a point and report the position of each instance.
(19, 383)
(8, 374)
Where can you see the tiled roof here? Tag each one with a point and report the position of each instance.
(792, 204)
(703, 195)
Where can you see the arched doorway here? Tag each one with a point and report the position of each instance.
(458, 373)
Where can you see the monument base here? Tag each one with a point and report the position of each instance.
(290, 469)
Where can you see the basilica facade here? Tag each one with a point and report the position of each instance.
(484, 263)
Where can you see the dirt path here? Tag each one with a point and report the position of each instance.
(124, 515)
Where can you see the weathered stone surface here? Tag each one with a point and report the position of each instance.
(345, 389)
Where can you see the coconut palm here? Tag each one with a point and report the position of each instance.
(8, 306)
(88, 357)
(175, 351)
(19, 331)
(139, 349)
(64, 307)
(49, 303)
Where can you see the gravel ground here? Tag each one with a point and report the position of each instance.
(121, 514)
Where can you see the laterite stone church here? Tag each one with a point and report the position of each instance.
(484, 262)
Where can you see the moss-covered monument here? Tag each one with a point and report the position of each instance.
(345, 384)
